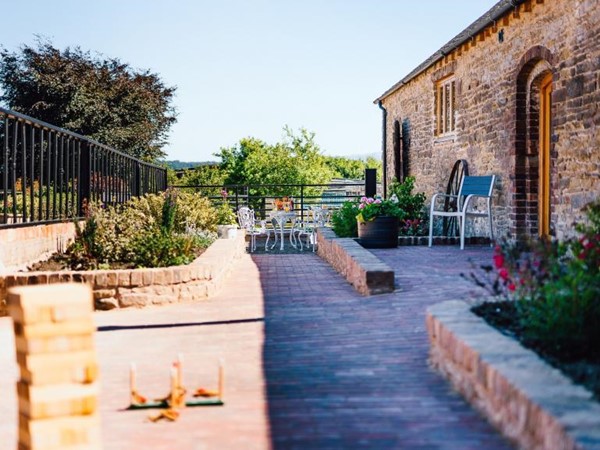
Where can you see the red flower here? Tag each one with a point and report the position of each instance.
(511, 287)
(498, 261)
(503, 273)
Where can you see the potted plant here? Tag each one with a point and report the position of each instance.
(378, 221)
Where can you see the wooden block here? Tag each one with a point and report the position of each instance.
(72, 447)
(41, 402)
(48, 330)
(50, 303)
(57, 344)
(57, 368)
(60, 433)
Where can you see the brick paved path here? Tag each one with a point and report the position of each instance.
(345, 371)
(327, 368)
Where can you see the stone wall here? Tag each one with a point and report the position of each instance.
(529, 401)
(565, 36)
(144, 287)
(25, 245)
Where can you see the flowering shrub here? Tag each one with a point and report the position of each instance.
(405, 205)
(412, 204)
(149, 231)
(413, 227)
(556, 287)
(224, 212)
(369, 208)
(344, 220)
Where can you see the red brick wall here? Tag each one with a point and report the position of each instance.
(561, 36)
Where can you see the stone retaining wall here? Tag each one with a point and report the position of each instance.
(27, 244)
(143, 287)
(363, 270)
(530, 402)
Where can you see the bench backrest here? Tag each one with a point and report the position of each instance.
(477, 185)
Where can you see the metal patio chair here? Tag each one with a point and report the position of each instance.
(253, 227)
(471, 189)
(317, 217)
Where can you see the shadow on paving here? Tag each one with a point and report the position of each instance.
(175, 325)
(345, 371)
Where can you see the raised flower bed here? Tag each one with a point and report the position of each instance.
(144, 287)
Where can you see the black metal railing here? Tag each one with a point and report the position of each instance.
(48, 174)
(262, 197)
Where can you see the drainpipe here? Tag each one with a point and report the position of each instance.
(384, 146)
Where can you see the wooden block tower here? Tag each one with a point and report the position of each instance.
(58, 387)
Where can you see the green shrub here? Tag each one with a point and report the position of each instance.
(556, 286)
(402, 203)
(156, 230)
(415, 221)
(344, 220)
(193, 210)
(163, 250)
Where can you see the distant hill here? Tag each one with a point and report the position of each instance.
(177, 165)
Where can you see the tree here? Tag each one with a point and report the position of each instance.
(204, 175)
(98, 97)
(353, 169)
(296, 160)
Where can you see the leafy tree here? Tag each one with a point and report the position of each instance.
(353, 169)
(205, 175)
(295, 160)
(98, 97)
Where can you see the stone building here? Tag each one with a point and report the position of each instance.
(516, 94)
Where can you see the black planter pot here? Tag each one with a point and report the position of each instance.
(382, 232)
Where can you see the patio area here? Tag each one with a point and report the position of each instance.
(309, 363)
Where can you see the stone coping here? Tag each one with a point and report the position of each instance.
(530, 402)
(143, 287)
(363, 270)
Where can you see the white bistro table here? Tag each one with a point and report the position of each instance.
(280, 218)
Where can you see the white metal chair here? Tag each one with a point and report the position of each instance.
(317, 217)
(471, 188)
(253, 227)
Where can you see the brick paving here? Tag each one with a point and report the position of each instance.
(345, 371)
(309, 362)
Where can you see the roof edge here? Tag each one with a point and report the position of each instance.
(492, 15)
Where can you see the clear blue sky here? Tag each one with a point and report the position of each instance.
(250, 67)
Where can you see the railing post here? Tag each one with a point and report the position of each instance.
(237, 198)
(84, 178)
(370, 182)
(302, 203)
(137, 183)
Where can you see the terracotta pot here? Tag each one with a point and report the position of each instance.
(382, 232)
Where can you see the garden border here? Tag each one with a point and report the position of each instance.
(143, 287)
(363, 270)
(530, 402)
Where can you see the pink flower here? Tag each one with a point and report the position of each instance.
(370, 200)
(499, 261)
(503, 273)
(377, 201)
(512, 287)
(363, 199)
(361, 206)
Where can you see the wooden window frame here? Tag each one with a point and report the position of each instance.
(445, 106)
